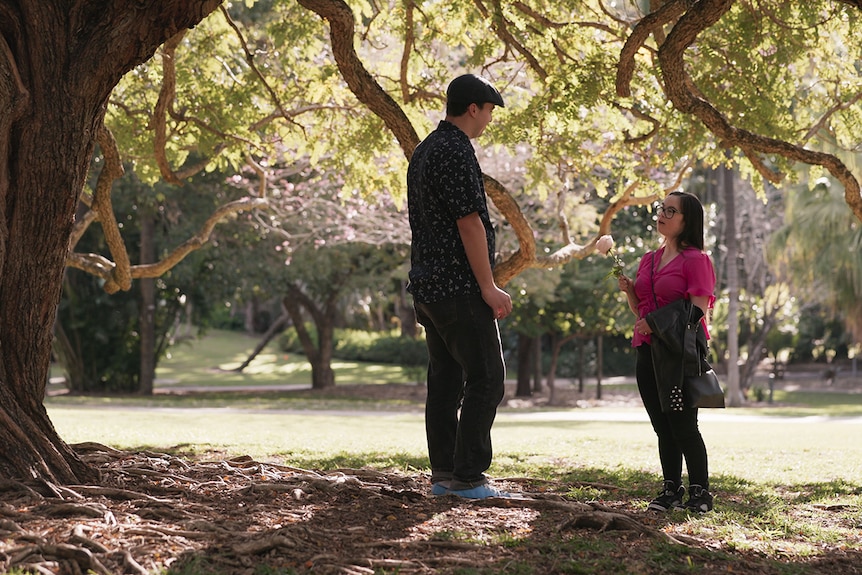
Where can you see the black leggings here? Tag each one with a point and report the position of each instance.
(677, 431)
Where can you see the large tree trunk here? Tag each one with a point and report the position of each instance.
(59, 61)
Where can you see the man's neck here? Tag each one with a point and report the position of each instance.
(463, 123)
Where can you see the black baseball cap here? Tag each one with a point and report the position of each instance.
(471, 89)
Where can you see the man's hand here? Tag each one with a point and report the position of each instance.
(473, 237)
(499, 301)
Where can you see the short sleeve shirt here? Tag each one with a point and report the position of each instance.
(444, 184)
(690, 274)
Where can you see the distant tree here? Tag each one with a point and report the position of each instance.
(114, 342)
(818, 252)
(322, 253)
(319, 279)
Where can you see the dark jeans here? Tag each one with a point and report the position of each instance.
(466, 372)
(677, 431)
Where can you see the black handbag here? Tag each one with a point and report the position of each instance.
(702, 390)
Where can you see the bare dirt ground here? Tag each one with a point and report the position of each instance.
(157, 513)
(173, 513)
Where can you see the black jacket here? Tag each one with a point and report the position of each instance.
(678, 349)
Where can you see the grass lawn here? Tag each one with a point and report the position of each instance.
(771, 451)
(806, 437)
(208, 362)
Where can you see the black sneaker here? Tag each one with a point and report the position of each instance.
(699, 500)
(670, 497)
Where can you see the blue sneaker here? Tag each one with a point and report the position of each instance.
(440, 488)
(482, 492)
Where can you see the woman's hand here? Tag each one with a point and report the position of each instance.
(626, 284)
(642, 327)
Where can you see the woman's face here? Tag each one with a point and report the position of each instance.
(670, 217)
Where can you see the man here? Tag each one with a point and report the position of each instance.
(454, 294)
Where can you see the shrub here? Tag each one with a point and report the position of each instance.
(358, 345)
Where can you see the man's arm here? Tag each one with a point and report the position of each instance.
(475, 244)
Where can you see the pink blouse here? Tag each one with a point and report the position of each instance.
(689, 274)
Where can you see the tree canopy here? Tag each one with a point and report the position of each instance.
(619, 100)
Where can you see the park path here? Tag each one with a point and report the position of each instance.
(574, 414)
(634, 414)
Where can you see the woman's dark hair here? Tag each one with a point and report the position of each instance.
(692, 212)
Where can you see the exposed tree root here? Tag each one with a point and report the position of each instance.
(154, 510)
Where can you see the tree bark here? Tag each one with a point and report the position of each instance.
(599, 361)
(556, 345)
(537, 364)
(70, 359)
(525, 355)
(274, 329)
(147, 328)
(581, 370)
(734, 395)
(59, 61)
(319, 355)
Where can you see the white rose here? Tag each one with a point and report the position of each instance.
(604, 244)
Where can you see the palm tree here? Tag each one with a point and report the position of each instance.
(819, 250)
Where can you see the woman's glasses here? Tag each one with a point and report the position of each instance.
(669, 213)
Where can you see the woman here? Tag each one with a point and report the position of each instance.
(678, 269)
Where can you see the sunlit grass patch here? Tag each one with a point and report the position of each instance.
(210, 362)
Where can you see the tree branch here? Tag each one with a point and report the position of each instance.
(165, 101)
(102, 267)
(361, 83)
(249, 58)
(120, 279)
(829, 113)
(648, 24)
(682, 94)
(501, 27)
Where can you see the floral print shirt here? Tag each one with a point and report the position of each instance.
(444, 184)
